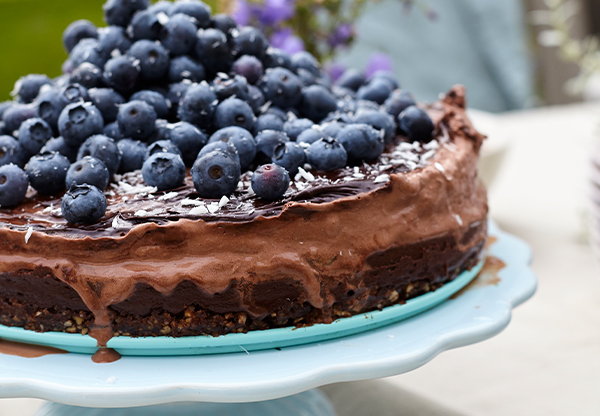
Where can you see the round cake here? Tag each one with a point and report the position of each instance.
(326, 200)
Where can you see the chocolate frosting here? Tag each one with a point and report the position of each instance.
(323, 230)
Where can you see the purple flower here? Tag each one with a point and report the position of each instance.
(341, 35)
(241, 12)
(379, 61)
(277, 11)
(335, 70)
(285, 40)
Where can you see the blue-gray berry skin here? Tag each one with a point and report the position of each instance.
(153, 59)
(270, 182)
(386, 76)
(197, 9)
(83, 204)
(58, 144)
(10, 151)
(234, 112)
(243, 141)
(309, 136)
(175, 94)
(255, 99)
(265, 144)
(268, 122)
(189, 139)
(28, 87)
(79, 29)
(326, 155)
(17, 114)
(332, 128)
(398, 102)
(307, 61)
(294, 127)
(88, 170)
(289, 155)
(250, 67)
(220, 146)
(212, 49)
(120, 12)
(144, 25)
(379, 120)
(133, 153)
(13, 185)
(197, 105)
(317, 102)
(164, 170)
(416, 123)
(87, 75)
(185, 68)
(275, 57)
(78, 121)
(87, 51)
(112, 130)
(281, 87)
(136, 119)
(107, 101)
(112, 38)
(47, 172)
(224, 23)
(249, 40)
(103, 148)
(162, 6)
(122, 73)
(33, 134)
(162, 146)
(155, 99)
(351, 79)
(377, 90)
(178, 35)
(48, 106)
(215, 174)
(361, 141)
(226, 87)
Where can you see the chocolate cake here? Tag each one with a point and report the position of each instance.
(240, 199)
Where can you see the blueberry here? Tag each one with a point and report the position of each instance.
(255, 98)
(380, 121)
(33, 134)
(332, 128)
(136, 119)
(234, 112)
(185, 68)
(79, 29)
(87, 50)
(13, 185)
(361, 141)
(67, 66)
(2, 128)
(268, 122)
(307, 61)
(107, 101)
(366, 105)
(47, 172)
(28, 87)
(161, 7)
(270, 182)
(224, 23)
(351, 79)
(416, 123)
(249, 67)
(144, 25)
(289, 155)
(276, 57)
(58, 144)
(102, 148)
(78, 121)
(306, 77)
(200, 11)
(122, 73)
(377, 90)
(326, 155)
(311, 135)
(242, 140)
(178, 35)
(282, 87)
(120, 12)
(72, 93)
(220, 146)
(133, 154)
(386, 76)
(162, 146)
(155, 99)
(88, 170)
(112, 40)
(266, 141)
(226, 87)
(317, 102)
(5, 105)
(10, 151)
(83, 204)
(154, 59)
(162, 131)
(164, 170)
(175, 94)
(398, 102)
(189, 139)
(112, 130)
(87, 75)
(294, 127)
(17, 114)
(212, 49)
(198, 105)
(343, 93)
(249, 41)
(215, 174)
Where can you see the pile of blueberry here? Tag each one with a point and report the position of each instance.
(168, 86)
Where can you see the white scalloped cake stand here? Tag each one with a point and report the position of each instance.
(475, 315)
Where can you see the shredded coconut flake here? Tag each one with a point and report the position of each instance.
(224, 200)
(213, 207)
(428, 155)
(141, 213)
(201, 210)
(458, 219)
(309, 177)
(191, 202)
(439, 167)
(169, 195)
(432, 145)
(28, 235)
(382, 178)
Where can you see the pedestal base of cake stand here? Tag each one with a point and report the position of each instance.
(309, 403)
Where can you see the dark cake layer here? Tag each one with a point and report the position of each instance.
(29, 298)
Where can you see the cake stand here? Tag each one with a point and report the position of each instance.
(275, 381)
